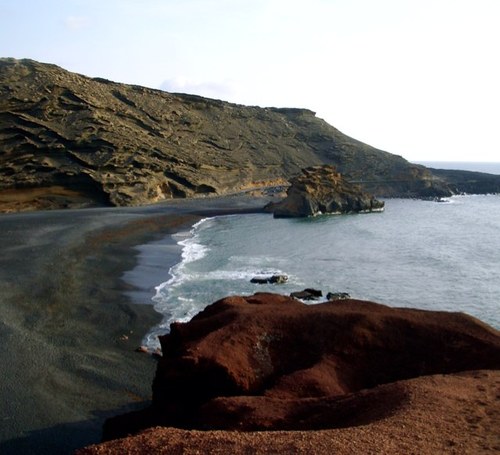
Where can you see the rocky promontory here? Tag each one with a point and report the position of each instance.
(269, 362)
(323, 190)
(67, 140)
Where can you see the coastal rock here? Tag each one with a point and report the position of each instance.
(72, 141)
(274, 279)
(468, 182)
(321, 190)
(267, 362)
(257, 280)
(307, 294)
(278, 279)
(337, 296)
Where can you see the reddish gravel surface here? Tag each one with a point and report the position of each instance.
(268, 374)
(453, 414)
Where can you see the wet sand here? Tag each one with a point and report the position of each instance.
(74, 307)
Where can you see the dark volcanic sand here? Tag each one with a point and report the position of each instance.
(68, 330)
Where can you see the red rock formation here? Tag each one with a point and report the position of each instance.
(269, 362)
(441, 414)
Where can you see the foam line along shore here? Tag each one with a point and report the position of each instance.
(69, 331)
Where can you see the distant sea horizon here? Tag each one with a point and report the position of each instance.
(489, 167)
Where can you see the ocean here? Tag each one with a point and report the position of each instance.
(420, 254)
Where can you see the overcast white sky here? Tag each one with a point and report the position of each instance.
(418, 78)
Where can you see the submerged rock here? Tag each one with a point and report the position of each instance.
(320, 190)
(274, 279)
(307, 294)
(337, 296)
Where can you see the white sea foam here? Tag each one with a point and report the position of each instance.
(192, 250)
(189, 290)
(175, 307)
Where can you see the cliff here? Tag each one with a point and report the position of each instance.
(269, 362)
(321, 190)
(468, 181)
(70, 140)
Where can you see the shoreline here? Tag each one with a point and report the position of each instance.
(71, 323)
(154, 260)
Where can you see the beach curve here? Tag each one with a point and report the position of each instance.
(69, 326)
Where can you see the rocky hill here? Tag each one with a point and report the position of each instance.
(70, 140)
(268, 362)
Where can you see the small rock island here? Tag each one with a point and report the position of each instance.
(320, 190)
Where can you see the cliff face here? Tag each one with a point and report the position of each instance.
(70, 139)
(321, 189)
(468, 181)
(66, 139)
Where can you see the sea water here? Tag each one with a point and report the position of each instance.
(421, 254)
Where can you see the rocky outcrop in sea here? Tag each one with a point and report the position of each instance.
(323, 190)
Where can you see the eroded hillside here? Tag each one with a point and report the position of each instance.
(70, 140)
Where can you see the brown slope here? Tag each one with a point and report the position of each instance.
(338, 377)
(446, 414)
(67, 138)
(269, 362)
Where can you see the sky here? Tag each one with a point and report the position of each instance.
(417, 78)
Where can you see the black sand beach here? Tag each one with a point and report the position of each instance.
(70, 323)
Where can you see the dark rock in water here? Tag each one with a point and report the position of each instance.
(322, 190)
(260, 362)
(337, 296)
(257, 280)
(274, 279)
(278, 279)
(302, 295)
(314, 292)
(307, 294)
